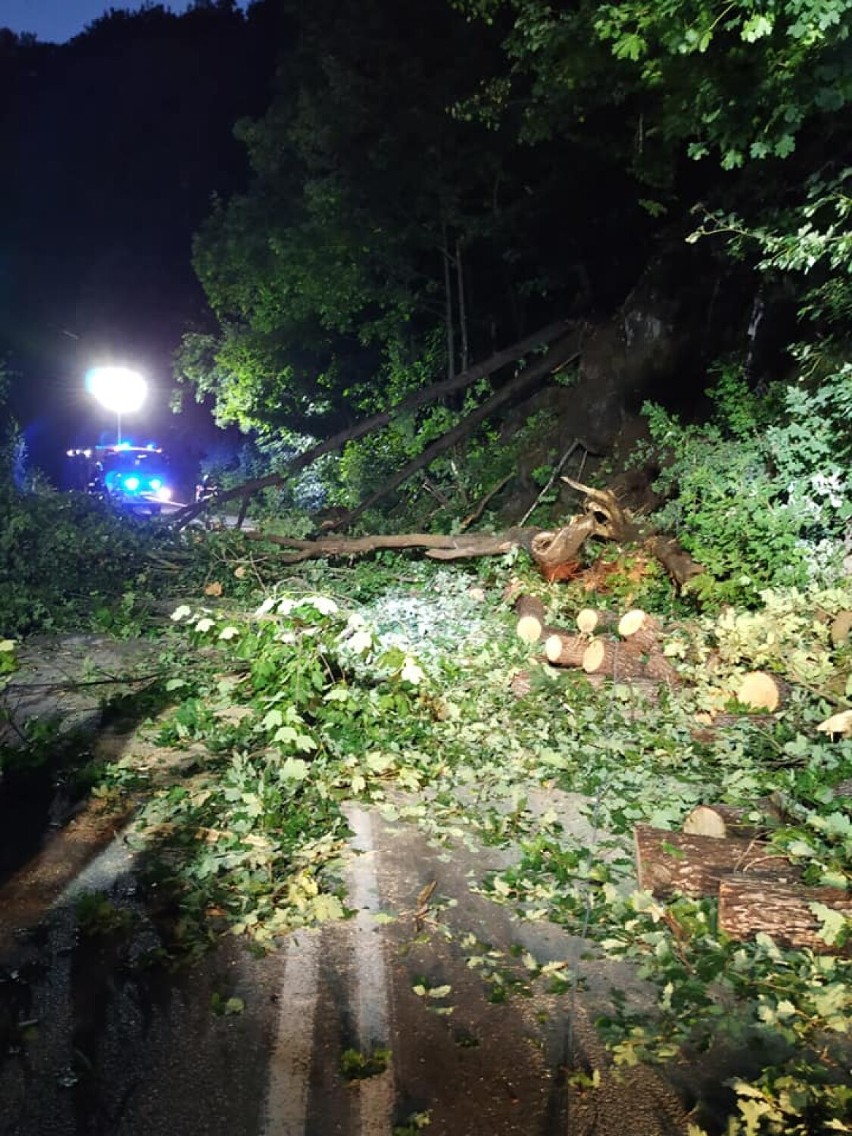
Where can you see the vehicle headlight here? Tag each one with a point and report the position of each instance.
(163, 493)
(131, 483)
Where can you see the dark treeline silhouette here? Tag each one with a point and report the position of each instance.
(112, 148)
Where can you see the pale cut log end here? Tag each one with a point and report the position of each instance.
(704, 821)
(593, 656)
(552, 648)
(720, 821)
(838, 725)
(529, 629)
(759, 691)
(841, 628)
(587, 620)
(632, 621)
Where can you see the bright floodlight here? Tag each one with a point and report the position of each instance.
(119, 389)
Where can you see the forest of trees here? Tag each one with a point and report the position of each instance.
(374, 195)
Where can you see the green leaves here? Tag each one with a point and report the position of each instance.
(250, 835)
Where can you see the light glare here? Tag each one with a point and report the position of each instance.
(119, 389)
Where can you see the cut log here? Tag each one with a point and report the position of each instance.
(529, 628)
(749, 905)
(622, 662)
(641, 629)
(759, 691)
(563, 650)
(674, 862)
(590, 620)
(841, 628)
(720, 821)
(617, 660)
(531, 615)
(838, 725)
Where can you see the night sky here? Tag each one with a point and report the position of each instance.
(55, 21)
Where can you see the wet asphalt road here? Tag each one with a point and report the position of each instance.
(100, 1037)
(94, 1040)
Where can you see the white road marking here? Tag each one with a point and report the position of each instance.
(290, 1062)
(372, 1014)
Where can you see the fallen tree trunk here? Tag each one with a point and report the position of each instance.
(377, 421)
(556, 553)
(560, 354)
(438, 546)
(749, 905)
(674, 862)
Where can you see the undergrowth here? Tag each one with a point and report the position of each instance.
(401, 699)
(291, 692)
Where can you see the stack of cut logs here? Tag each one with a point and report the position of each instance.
(721, 853)
(626, 649)
(635, 654)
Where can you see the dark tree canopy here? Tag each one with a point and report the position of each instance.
(373, 195)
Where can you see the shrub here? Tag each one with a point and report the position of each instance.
(760, 495)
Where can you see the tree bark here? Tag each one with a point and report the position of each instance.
(438, 546)
(564, 650)
(613, 659)
(749, 905)
(672, 862)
